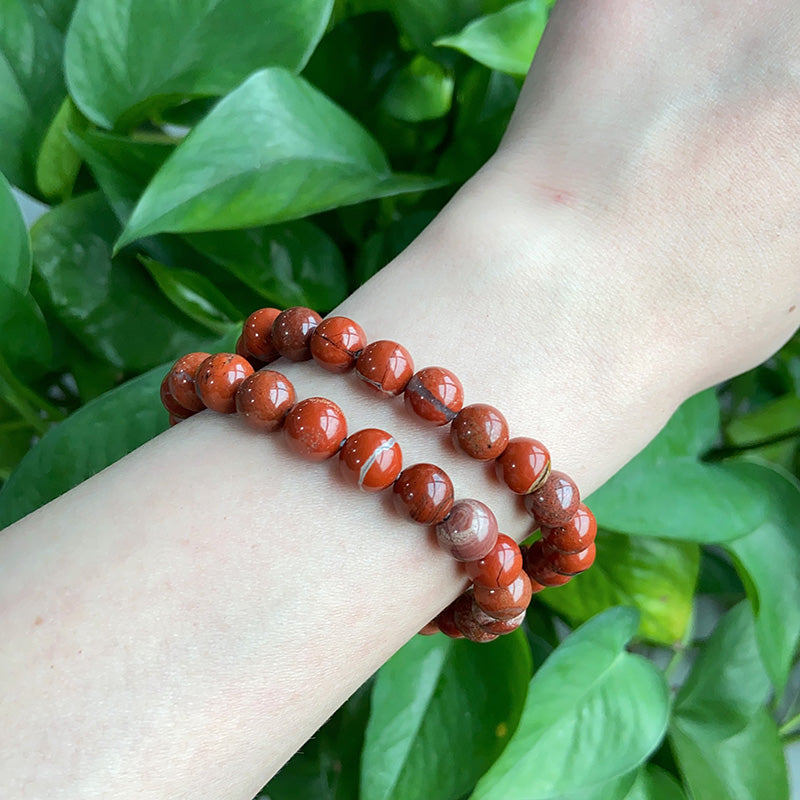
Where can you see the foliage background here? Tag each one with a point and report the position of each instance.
(201, 158)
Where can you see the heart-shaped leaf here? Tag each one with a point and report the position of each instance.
(15, 256)
(653, 783)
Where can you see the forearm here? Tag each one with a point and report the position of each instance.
(181, 623)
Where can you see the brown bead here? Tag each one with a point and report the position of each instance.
(504, 626)
(291, 332)
(336, 343)
(434, 394)
(446, 623)
(537, 569)
(241, 350)
(480, 431)
(467, 622)
(523, 465)
(264, 399)
(429, 628)
(257, 335)
(385, 366)
(555, 502)
(423, 492)
(181, 381)
(218, 378)
(569, 563)
(170, 403)
(506, 602)
(173, 420)
(576, 535)
(315, 428)
(469, 532)
(371, 459)
(500, 567)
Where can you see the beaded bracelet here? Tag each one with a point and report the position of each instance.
(504, 576)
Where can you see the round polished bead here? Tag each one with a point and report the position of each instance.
(291, 332)
(523, 465)
(385, 366)
(506, 602)
(446, 623)
(241, 350)
(500, 567)
(434, 394)
(181, 381)
(371, 459)
(173, 420)
(569, 563)
(257, 335)
(555, 501)
(467, 622)
(429, 628)
(423, 492)
(218, 378)
(336, 343)
(480, 431)
(170, 403)
(537, 569)
(469, 532)
(503, 626)
(264, 399)
(315, 428)
(576, 535)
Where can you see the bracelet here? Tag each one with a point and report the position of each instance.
(504, 575)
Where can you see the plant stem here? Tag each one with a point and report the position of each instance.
(790, 729)
(729, 451)
(25, 401)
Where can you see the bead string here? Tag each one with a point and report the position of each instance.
(504, 576)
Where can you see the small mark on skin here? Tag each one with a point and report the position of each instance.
(38, 621)
(792, 308)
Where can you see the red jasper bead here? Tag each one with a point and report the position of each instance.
(315, 428)
(170, 403)
(506, 602)
(523, 465)
(434, 394)
(446, 623)
(291, 332)
(469, 532)
(503, 626)
(336, 343)
(173, 420)
(555, 501)
(537, 569)
(467, 622)
(241, 350)
(500, 567)
(264, 399)
(569, 563)
(218, 378)
(423, 492)
(181, 381)
(257, 335)
(480, 431)
(385, 366)
(429, 628)
(576, 535)
(371, 459)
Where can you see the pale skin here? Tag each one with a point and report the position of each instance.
(180, 624)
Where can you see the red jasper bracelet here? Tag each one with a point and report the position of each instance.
(504, 576)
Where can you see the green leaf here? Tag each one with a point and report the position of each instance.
(25, 341)
(31, 87)
(295, 264)
(58, 12)
(768, 560)
(442, 711)
(422, 90)
(58, 162)
(274, 149)
(146, 55)
(774, 418)
(111, 307)
(654, 575)
(195, 295)
(653, 783)
(15, 256)
(506, 40)
(594, 712)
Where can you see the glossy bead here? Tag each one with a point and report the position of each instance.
(506, 602)
(469, 532)
(504, 626)
(480, 431)
(576, 535)
(218, 378)
(371, 459)
(423, 492)
(523, 465)
(315, 428)
(336, 343)
(429, 628)
(181, 381)
(555, 502)
(467, 622)
(569, 563)
(446, 623)
(257, 335)
(537, 569)
(434, 394)
(241, 350)
(500, 567)
(264, 399)
(291, 332)
(385, 366)
(170, 403)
